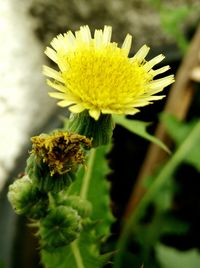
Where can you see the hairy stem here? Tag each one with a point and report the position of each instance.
(87, 176)
(77, 255)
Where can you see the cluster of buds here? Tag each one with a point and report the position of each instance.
(40, 193)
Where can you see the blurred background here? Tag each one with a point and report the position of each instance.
(26, 28)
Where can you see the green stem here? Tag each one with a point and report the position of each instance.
(77, 255)
(83, 195)
(87, 176)
(165, 173)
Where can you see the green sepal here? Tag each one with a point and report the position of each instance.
(100, 131)
(40, 174)
(83, 207)
(59, 228)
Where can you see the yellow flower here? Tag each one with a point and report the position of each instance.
(98, 76)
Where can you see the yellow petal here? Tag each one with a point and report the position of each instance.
(160, 70)
(98, 38)
(143, 100)
(141, 54)
(85, 34)
(51, 54)
(147, 66)
(126, 46)
(106, 111)
(131, 111)
(107, 32)
(65, 103)
(57, 86)
(162, 82)
(95, 114)
(52, 73)
(77, 108)
(56, 95)
(154, 91)
(70, 38)
(58, 42)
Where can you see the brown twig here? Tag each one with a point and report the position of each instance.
(178, 103)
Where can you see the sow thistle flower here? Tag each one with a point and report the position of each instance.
(96, 75)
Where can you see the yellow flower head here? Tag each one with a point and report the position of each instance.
(98, 76)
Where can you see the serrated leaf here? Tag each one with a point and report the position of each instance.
(172, 258)
(98, 192)
(82, 253)
(139, 128)
(179, 131)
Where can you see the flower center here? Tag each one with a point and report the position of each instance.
(103, 77)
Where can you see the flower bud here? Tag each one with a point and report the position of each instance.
(83, 207)
(26, 199)
(60, 227)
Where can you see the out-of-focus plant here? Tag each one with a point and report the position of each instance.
(172, 21)
(146, 228)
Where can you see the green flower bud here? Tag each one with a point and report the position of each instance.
(26, 199)
(60, 227)
(83, 207)
(100, 131)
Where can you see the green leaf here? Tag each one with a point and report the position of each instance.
(172, 258)
(185, 149)
(172, 18)
(171, 21)
(91, 184)
(94, 187)
(139, 128)
(179, 131)
(2, 265)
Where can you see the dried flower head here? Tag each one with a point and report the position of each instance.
(98, 76)
(61, 151)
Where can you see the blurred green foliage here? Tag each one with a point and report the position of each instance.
(172, 258)
(172, 20)
(154, 218)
